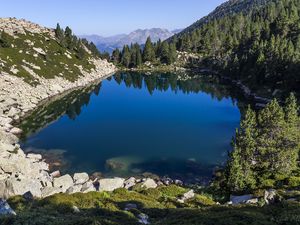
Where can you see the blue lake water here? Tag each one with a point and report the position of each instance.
(132, 123)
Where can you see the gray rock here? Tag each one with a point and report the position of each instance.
(5, 209)
(19, 186)
(34, 157)
(252, 201)
(111, 184)
(129, 183)
(16, 131)
(88, 187)
(149, 183)
(130, 206)
(63, 182)
(74, 189)
(240, 199)
(48, 191)
(270, 196)
(186, 196)
(80, 178)
(76, 209)
(143, 218)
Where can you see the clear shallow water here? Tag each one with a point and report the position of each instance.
(133, 123)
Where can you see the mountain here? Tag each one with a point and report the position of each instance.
(138, 36)
(256, 42)
(228, 8)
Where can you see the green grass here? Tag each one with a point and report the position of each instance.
(51, 65)
(159, 204)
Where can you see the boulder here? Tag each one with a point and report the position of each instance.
(5, 209)
(149, 183)
(16, 131)
(19, 186)
(88, 187)
(270, 196)
(240, 199)
(111, 184)
(48, 191)
(130, 206)
(74, 189)
(143, 218)
(80, 178)
(64, 182)
(34, 157)
(129, 183)
(252, 201)
(186, 196)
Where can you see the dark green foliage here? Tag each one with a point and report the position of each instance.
(266, 147)
(148, 53)
(4, 41)
(126, 56)
(258, 44)
(134, 57)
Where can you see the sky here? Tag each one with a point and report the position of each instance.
(109, 17)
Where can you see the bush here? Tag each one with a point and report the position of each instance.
(294, 181)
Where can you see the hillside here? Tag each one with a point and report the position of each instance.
(228, 8)
(138, 36)
(30, 51)
(256, 42)
(38, 62)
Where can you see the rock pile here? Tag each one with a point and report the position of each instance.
(14, 26)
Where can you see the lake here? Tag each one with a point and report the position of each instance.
(129, 124)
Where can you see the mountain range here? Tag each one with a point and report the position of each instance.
(139, 36)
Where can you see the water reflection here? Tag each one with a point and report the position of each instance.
(102, 140)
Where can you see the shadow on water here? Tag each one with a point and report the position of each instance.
(71, 104)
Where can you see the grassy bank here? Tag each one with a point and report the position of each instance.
(159, 204)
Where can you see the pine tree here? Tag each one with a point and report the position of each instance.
(116, 56)
(165, 53)
(59, 33)
(275, 158)
(172, 53)
(243, 155)
(148, 54)
(126, 57)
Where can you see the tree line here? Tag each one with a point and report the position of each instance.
(135, 55)
(67, 39)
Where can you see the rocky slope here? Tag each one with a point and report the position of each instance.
(26, 79)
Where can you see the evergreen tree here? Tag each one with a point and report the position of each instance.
(165, 53)
(116, 56)
(59, 33)
(149, 53)
(241, 174)
(126, 56)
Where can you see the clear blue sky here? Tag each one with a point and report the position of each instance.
(108, 17)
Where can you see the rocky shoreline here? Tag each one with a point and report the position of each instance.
(22, 173)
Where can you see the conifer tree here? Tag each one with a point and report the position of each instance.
(126, 57)
(149, 53)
